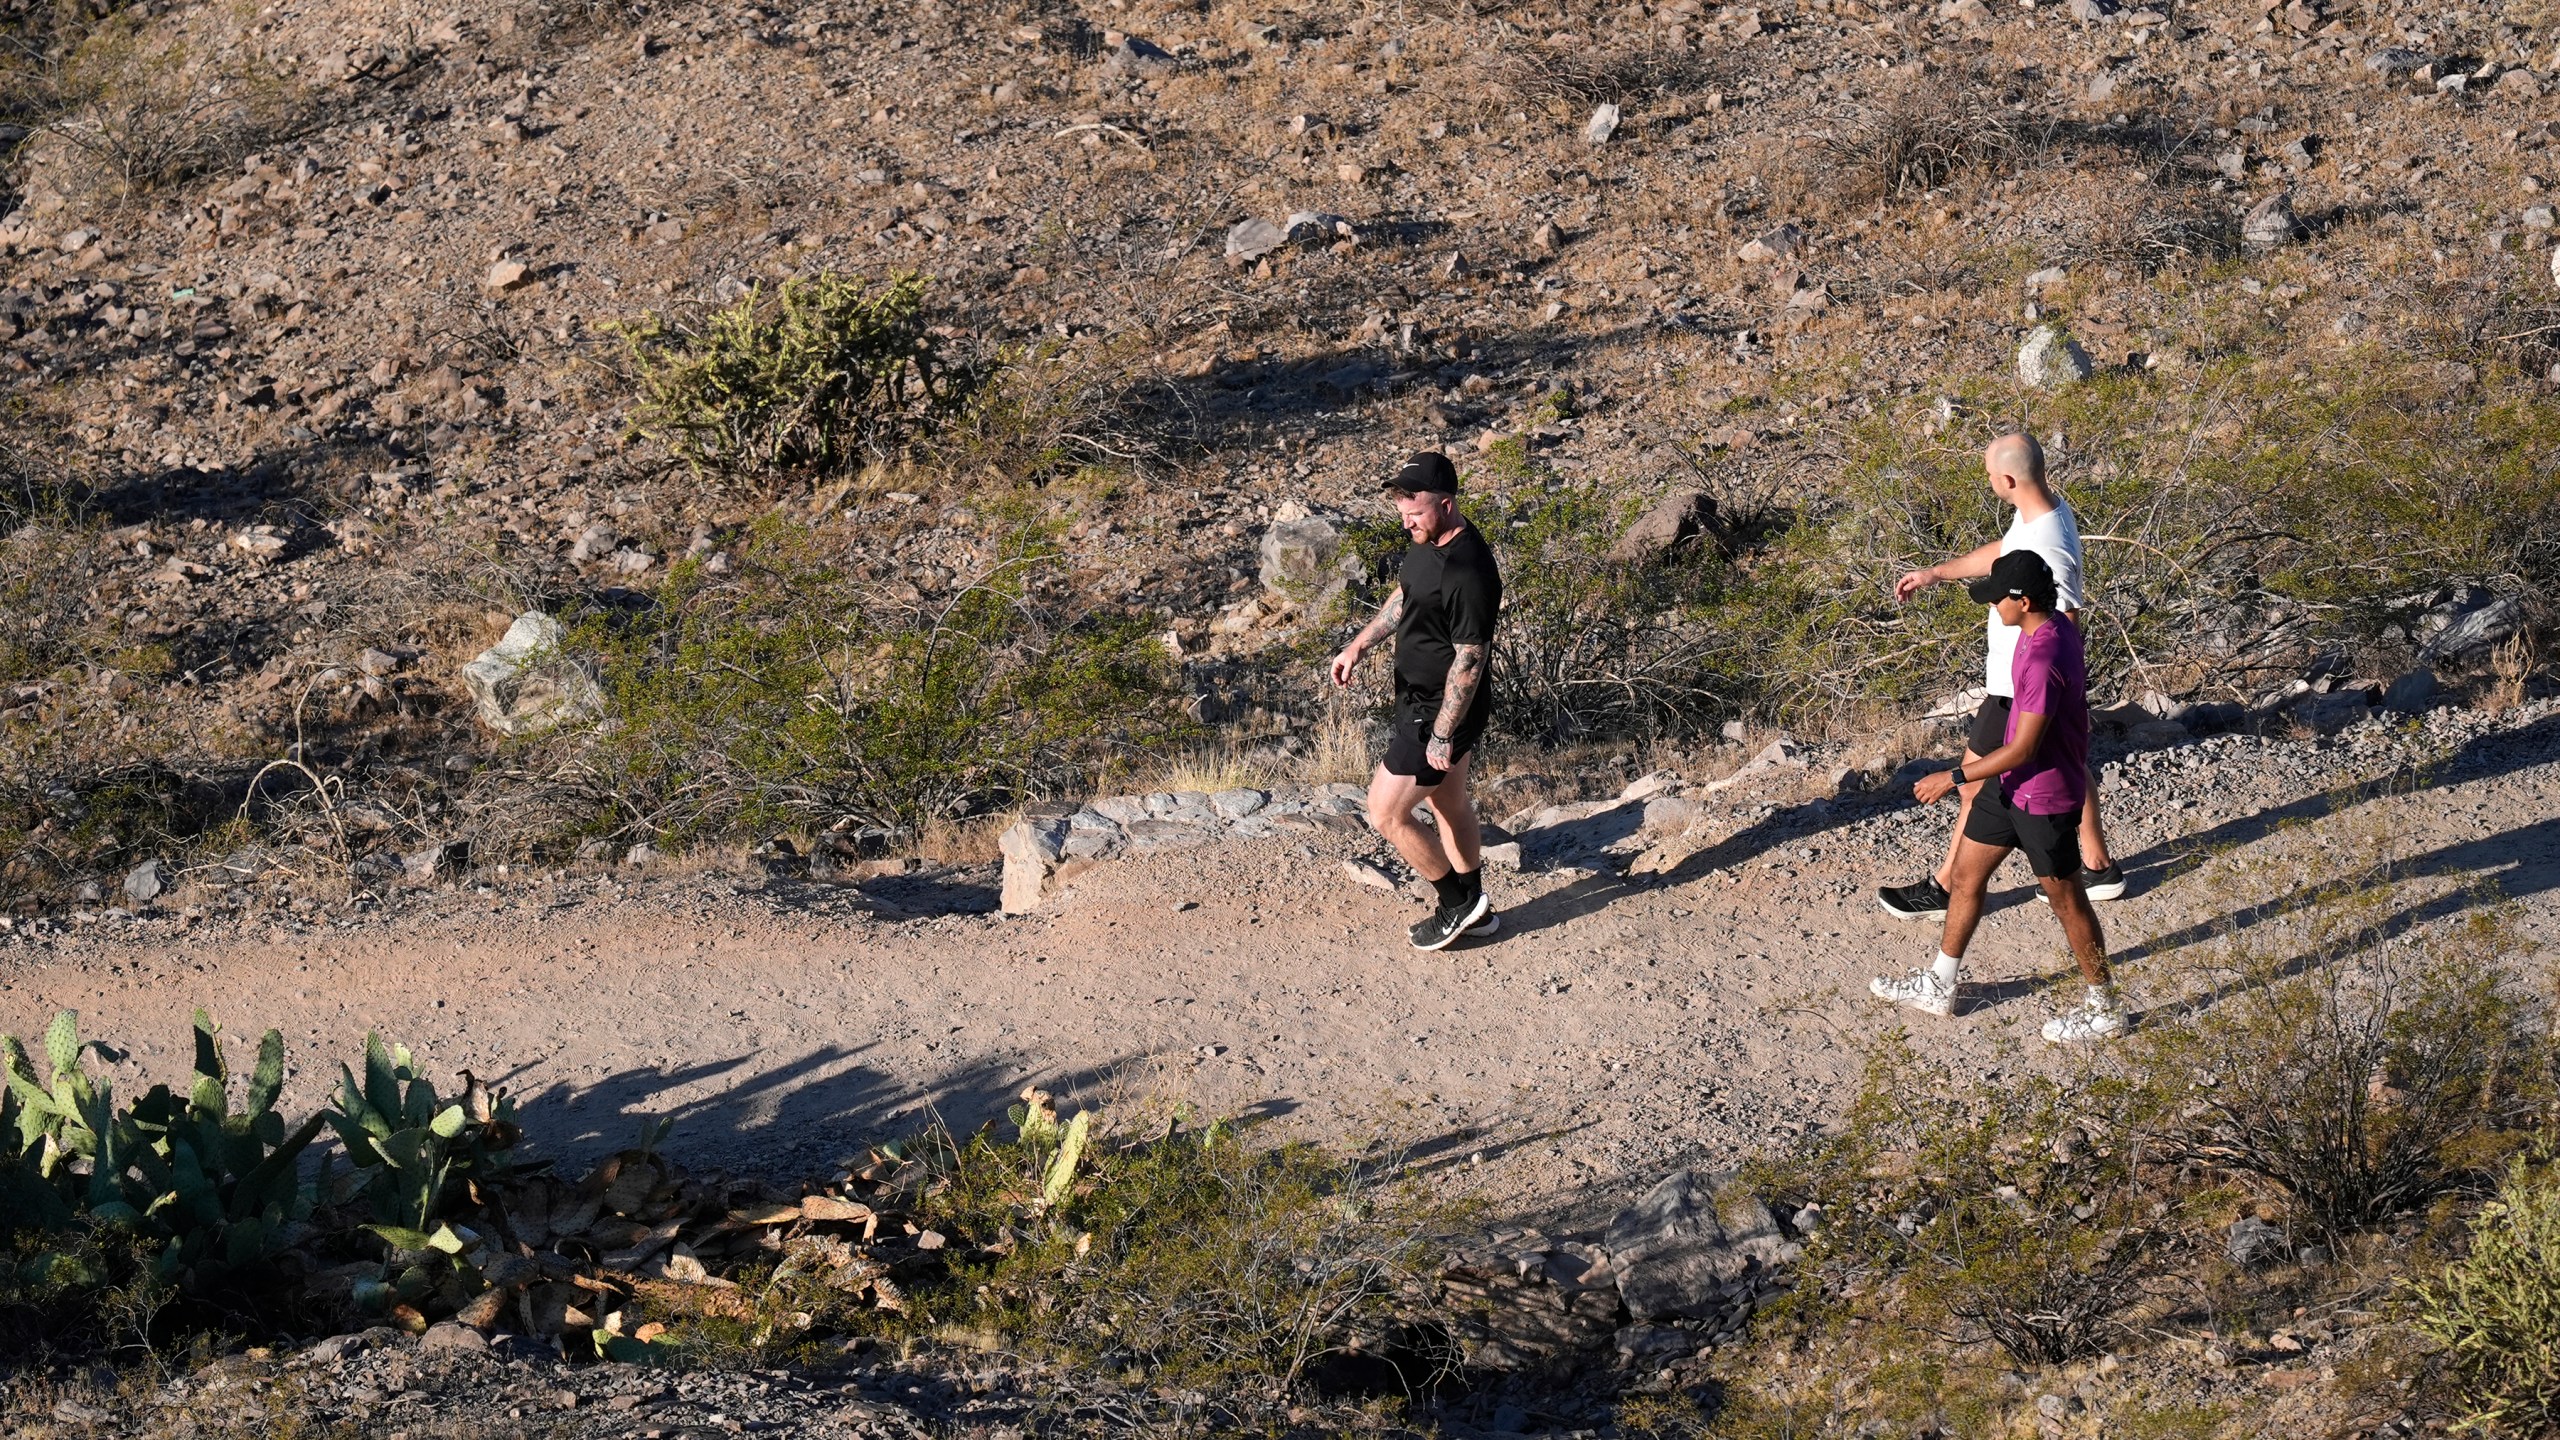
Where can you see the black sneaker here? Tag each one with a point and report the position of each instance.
(1491, 924)
(1449, 922)
(1926, 900)
(2106, 884)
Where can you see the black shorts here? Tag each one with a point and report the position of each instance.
(2051, 843)
(1990, 725)
(1408, 746)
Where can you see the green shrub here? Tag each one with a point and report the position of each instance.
(2358, 1071)
(145, 117)
(2229, 512)
(1192, 1257)
(822, 374)
(2010, 1213)
(2496, 1312)
(790, 691)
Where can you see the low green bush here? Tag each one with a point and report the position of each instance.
(823, 373)
(2012, 1213)
(2495, 1313)
(2230, 513)
(2357, 1072)
(790, 691)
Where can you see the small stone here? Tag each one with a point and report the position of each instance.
(2397, 61)
(1364, 873)
(2347, 325)
(2040, 281)
(2050, 358)
(377, 662)
(2271, 222)
(2538, 217)
(142, 884)
(1032, 849)
(1237, 804)
(1602, 124)
(451, 1338)
(2089, 12)
(2251, 1242)
(1547, 238)
(1302, 558)
(1777, 244)
(507, 275)
(1142, 58)
(1678, 517)
(1965, 12)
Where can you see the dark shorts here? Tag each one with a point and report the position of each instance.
(1409, 743)
(2051, 843)
(1990, 725)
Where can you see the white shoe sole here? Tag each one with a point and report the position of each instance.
(1489, 925)
(1887, 907)
(1475, 915)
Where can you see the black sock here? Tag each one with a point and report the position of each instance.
(1452, 888)
(1473, 880)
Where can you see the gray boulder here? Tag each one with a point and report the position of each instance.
(2271, 222)
(143, 883)
(2474, 631)
(2412, 693)
(1142, 58)
(2050, 358)
(1695, 1247)
(1302, 557)
(1252, 239)
(2251, 1242)
(525, 684)
(1682, 515)
(2328, 714)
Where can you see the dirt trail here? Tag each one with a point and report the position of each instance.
(1618, 1024)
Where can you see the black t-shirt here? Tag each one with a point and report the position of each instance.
(1451, 593)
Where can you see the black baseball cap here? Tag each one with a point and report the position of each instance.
(1429, 472)
(2020, 574)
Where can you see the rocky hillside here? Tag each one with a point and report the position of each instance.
(311, 312)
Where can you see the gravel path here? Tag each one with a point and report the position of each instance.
(1619, 1025)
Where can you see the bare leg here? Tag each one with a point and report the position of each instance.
(1971, 872)
(1461, 831)
(2079, 926)
(1391, 801)
(2093, 837)
(1946, 876)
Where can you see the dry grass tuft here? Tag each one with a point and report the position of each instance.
(1917, 138)
(1618, 75)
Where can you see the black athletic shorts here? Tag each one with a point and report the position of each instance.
(2051, 842)
(1990, 725)
(1408, 747)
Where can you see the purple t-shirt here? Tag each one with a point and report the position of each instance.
(2051, 670)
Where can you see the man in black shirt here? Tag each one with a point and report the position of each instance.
(1442, 613)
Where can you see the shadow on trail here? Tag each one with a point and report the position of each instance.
(1589, 837)
(788, 1119)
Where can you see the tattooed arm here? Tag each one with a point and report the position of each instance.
(1370, 634)
(1466, 677)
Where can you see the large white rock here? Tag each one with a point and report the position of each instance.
(526, 684)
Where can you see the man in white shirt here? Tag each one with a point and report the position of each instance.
(2014, 464)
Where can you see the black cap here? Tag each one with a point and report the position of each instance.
(2020, 574)
(1429, 472)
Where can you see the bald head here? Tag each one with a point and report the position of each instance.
(2014, 464)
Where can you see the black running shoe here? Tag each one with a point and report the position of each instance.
(1491, 924)
(2104, 884)
(1926, 900)
(1449, 922)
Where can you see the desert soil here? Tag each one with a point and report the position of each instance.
(1620, 1023)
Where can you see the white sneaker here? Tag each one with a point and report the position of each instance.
(2084, 1024)
(1922, 990)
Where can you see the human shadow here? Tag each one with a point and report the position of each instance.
(1587, 839)
(2483, 757)
(788, 1118)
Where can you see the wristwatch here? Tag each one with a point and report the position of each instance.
(1957, 772)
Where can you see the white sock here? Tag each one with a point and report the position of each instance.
(2102, 997)
(1945, 969)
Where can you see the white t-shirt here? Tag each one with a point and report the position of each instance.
(2055, 535)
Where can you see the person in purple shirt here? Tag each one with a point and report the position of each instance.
(2039, 782)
